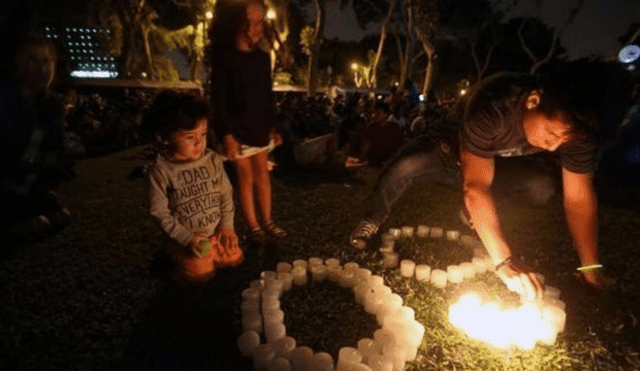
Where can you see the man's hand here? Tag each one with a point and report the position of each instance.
(520, 280)
(231, 147)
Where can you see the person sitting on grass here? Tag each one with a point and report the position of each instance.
(190, 194)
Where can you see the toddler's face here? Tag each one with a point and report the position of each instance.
(189, 145)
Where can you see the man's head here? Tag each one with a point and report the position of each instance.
(35, 64)
(547, 129)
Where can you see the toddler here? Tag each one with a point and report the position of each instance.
(190, 194)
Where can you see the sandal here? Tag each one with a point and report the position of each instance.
(275, 231)
(258, 236)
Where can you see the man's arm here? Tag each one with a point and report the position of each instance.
(580, 207)
(477, 177)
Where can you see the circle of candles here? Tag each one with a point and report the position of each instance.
(262, 355)
(347, 357)
(407, 231)
(301, 358)
(351, 266)
(322, 362)
(422, 231)
(423, 272)
(315, 261)
(390, 260)
(436, 232)
(247, 342)
(368, 347)
(395, 232)
(283, 267)
(251, 294)
(332, 262)
(439, 278)
(279, 364)
(379, 362)
(453, 235)
(287, 280)
(299, 274)
(284, 346)
(300, 263)
(454, 274)
(407, 268)
(318, 272)
(468, 270)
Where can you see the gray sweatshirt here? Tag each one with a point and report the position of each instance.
(188, 198)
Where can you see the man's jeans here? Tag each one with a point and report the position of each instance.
(519, 180)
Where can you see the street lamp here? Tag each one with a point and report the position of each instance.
(271, 14)
(208, 14)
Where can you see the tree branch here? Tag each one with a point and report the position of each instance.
(523, 44)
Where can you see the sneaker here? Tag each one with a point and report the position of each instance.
(362, 233)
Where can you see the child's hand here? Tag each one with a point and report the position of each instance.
(226, 237)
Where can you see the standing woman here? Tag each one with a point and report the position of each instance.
(243, 107)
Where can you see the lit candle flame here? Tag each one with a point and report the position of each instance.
(520, 327)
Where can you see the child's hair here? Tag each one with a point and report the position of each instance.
(172, 111)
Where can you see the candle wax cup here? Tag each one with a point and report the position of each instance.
(279, 364)
(468, 270)
(275, 331)
(407, 268)
(322, 362)
(351, 266)
(455, 274)
(268, 275)
(284, 346)
(252, 322)
(368, 347)
(423, 272)
(247, 342)
(315, 261)
(262, 355)
(439, 278)
(390, 260)
(380, 363)
(318, 273)
(395, 232)
(348, 356)
(301, 357)
(453, 235)
(300, 263)
(332, 261)
(422, 231)
(436, 232)
(407, 231)
(283, 267)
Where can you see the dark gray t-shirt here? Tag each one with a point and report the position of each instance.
(492, 123)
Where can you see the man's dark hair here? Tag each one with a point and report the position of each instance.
(172, 111)
(591, 96)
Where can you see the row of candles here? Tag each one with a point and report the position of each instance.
(390, 347)
(520, 327)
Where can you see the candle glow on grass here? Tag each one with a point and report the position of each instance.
(520, 327)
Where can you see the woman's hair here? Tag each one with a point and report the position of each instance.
(172, 111)
(229, 19)
(591, 96)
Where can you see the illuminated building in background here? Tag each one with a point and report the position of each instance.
(82, 47)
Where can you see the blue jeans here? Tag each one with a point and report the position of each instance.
(519, 180)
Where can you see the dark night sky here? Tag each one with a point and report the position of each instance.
(595, 29)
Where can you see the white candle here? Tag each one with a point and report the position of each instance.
(347, 357)
(252, 322)
(275, 316)
(299, 274)
(390, 260)
(360, 367)
(250, 307)
(351, 266)
(318, 272)
(390, 304)
(262, 355)
(480, 264)
(287, 280)
(251, 294)
(275, 285)
(468, 270)
(283, 267)
(396, 354)
(423, 272)
(384, 336)
(422, 231)
(256, 284)
(270, 303)
(380, 363)
(247, 342)
(453, 235)
(467, 241)
(454, 274)
(279, 364)
(300, 263)
(346, 278)
(387, 239)
(284, 346)
(395, 232)
(386, 250)
(268, 275)
(368, 347)
(376, 280)
(372, 301)
(359, 291)
(439, 278)
(480, 252)
(332, 261)
(301, 358)
(407, 268)
(363, 274)
(407, 231)
(315, 261)
(322, 362)
(333, 273)
(275, 331)
(436, 232)
(554, 316)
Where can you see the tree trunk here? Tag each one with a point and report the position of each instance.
(313, 56)
(147, 49)
(383, 36)
(428, 76)
(405, 70)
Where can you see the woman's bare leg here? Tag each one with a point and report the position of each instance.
(246, 181)
(262, 183)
